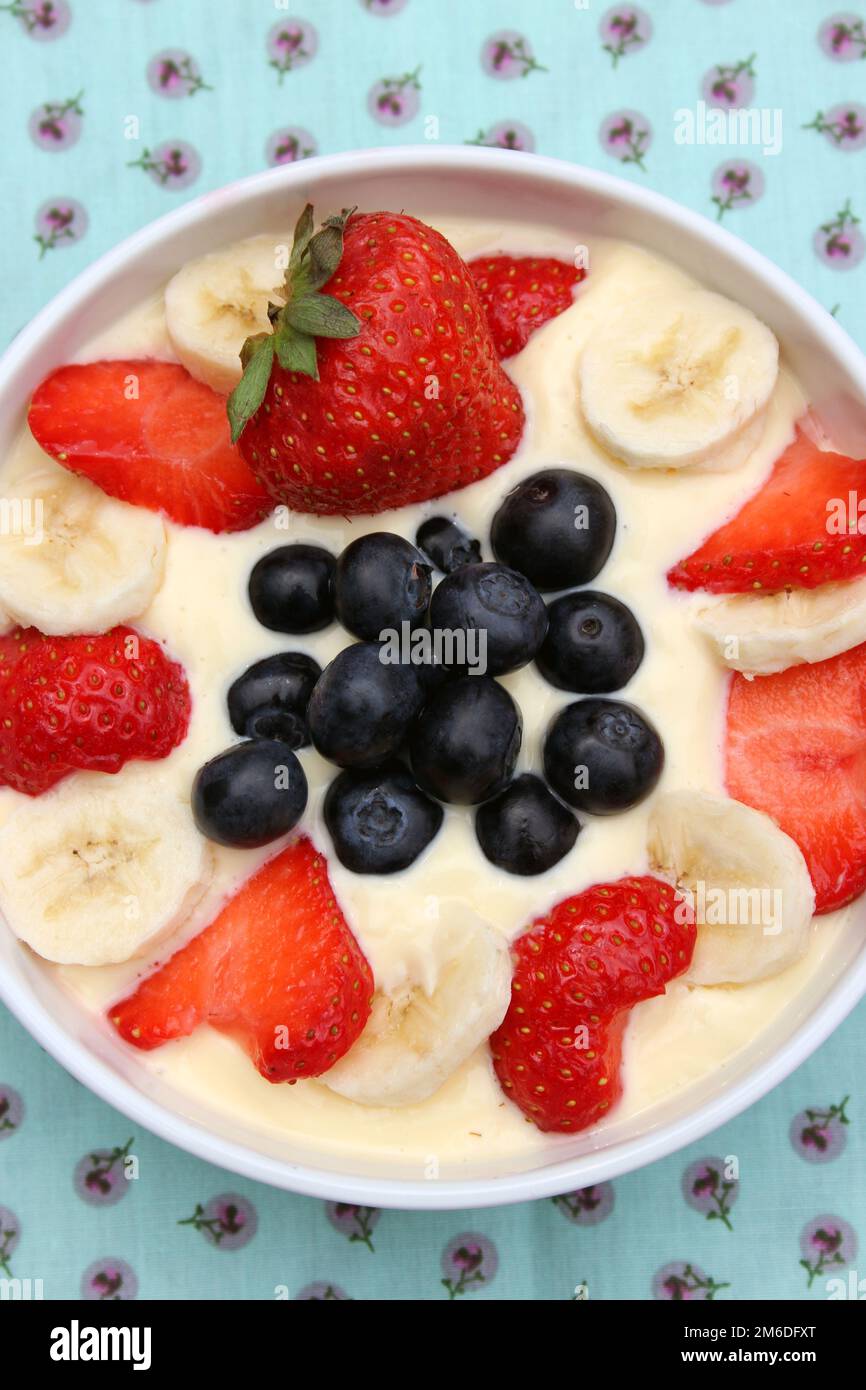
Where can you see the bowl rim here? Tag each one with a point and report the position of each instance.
(552, 1178)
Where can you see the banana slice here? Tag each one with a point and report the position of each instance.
(215, 303)
(73, 559)
(94, 873)
(679, 381)
(763, 633)
(418, 1035)
(747, 880)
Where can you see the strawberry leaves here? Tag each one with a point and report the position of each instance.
(306, 316)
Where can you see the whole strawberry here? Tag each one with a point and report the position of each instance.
(84, 703)
(577, 972)
(384, 391)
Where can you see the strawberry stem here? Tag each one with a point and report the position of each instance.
(306, 315)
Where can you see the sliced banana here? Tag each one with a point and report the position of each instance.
(422, 1032)
(71, 558)
(763, 633)
(218, 301)
(97, 871)
(679, 381)
(746, 878)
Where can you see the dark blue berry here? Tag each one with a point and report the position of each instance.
(556, 527)
(361, 707)
(291, 589)
(465, 744)
(593, 645)
(447, 544)
(379, 820)
(249, 795)
(381, 582)
(270, 699)
(602, 756)
(507, 614)
(525, 829)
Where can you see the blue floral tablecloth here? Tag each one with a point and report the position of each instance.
(114, 111)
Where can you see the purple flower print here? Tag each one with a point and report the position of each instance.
(826, 1242)
(11, 1112)
(624, 30)
(10, 1234)
(468, 1262)
(227, 1221)
(395, 100)
(707, 1190)
(56, 125)
(174, 73)
(355, 1222)
(174, 165)
(321, 1293)
(843, 37)
(844, 126)
(508, 54)
(730, 85)
(384, 7)
(588, 1206)
(290, 144)
(840, 244)
(109, 1281)
(291, 45)
(685, 1283)
(506, 135)
(100, 1177)
(737, 183)
(44, 20)
(59, 222)
(627, 135)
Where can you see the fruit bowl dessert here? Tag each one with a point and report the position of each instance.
(432, 662)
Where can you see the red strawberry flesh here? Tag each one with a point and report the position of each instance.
(148, 433)
(787, 535)
(278, 970)
(796, 750)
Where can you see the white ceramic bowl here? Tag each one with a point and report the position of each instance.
(494, 185)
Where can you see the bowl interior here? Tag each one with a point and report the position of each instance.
(498, 186)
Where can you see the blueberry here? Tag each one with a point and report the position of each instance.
(361, 707)
(447, 544)
(525, 829)
(250, 795)
(379, 820)
(381, 582)
(602, 756)
(464, 745)
(556, 527)
(270, 699)
(292, 589)
(593, 644)
(507, 613)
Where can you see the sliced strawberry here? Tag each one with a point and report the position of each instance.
(278, 970)
(150, 434)
(796, 749)
(577, 972)
(520, 293)
(85, 703)
(790, 533)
